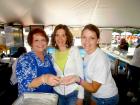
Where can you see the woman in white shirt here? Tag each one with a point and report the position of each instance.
(97, 70)
(133, 77)
(136, 57)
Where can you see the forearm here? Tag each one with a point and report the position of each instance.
(36, 82)
(88, 86)
(81, 92)
(79, 102)
(91, 87)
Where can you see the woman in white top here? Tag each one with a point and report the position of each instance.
(134, 75)
(97, 70)
(136, 57)
(67, 61)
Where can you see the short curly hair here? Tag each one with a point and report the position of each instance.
(35, 31)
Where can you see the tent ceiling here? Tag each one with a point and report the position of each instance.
(104, 13)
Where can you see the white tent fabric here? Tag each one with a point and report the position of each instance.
(103, 13)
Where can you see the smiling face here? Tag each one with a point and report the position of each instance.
(39, 43)
(89, 40)
(61, 38)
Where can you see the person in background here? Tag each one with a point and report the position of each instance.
(20, 51)
(136, 57)
(67, 61)
(123, 45)
(34, 70)
(13, 79)
(97, 70)
(2, 55)
(138, 41)
(134, 75)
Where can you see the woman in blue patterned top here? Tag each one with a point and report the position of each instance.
(34, 70)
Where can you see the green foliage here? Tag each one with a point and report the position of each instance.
(117, 30)
(134, 31)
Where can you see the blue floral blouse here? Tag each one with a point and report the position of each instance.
(28, 67)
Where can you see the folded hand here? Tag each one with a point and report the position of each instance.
(69, 79)
(51, 80)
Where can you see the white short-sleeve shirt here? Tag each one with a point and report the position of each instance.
(97, 67)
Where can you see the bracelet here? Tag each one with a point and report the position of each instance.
(81, 80)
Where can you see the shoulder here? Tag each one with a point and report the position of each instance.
(138, 46)
(100, 52)
(74, 48)
(25, 57)
(137, 50)
(101, 55)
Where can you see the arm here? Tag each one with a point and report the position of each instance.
(77, 69)
(79, 102)
(13, 78)
(91, 87)
(49, 79)
(25, 74)
(80, 73)
(36, 82)
(45, 79)
(98, 74)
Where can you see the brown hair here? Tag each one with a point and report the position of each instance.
(35, 31)
(93, 28)
(69, 41)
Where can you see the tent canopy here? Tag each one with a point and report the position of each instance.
(103, 13)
